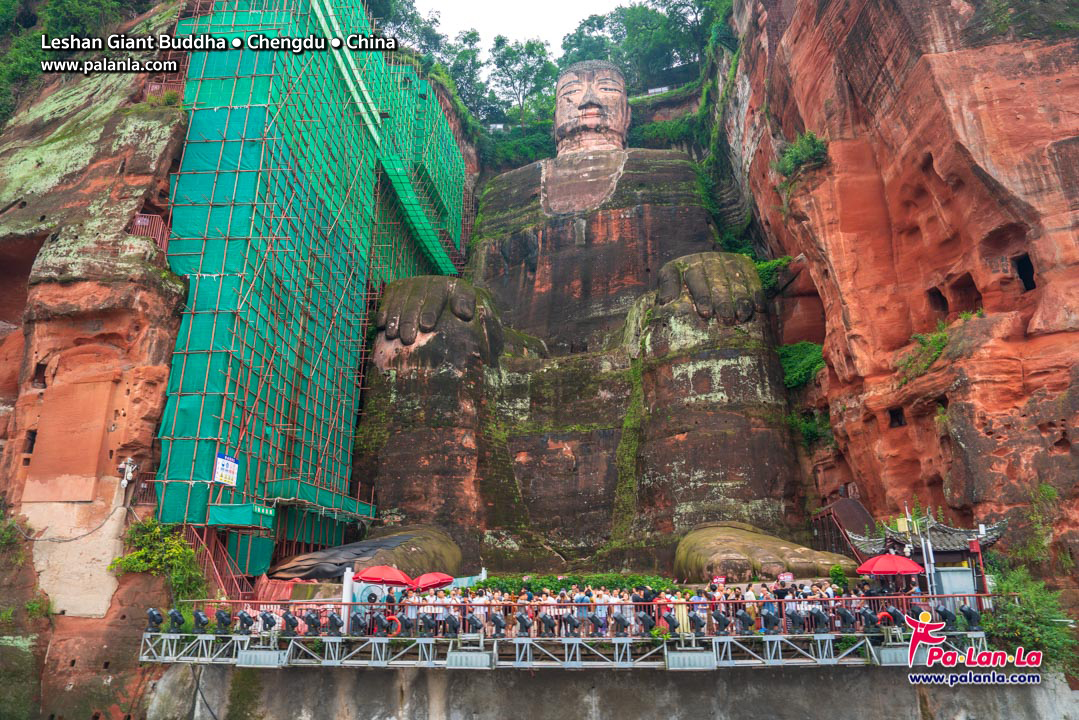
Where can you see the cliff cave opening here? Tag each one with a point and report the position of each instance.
(937, 302)
(16, 260)
(1024, 268)
(965, 295)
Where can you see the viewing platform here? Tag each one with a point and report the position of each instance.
(475, 652)
(529, 637)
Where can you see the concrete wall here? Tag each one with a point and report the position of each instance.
(777, 694)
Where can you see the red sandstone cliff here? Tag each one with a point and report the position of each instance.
(88, 317)
(952, 186)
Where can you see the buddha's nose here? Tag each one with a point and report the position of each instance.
(590, 99)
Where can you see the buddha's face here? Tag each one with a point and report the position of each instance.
(591, 111)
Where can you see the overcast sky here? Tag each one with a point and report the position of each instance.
(546, 19)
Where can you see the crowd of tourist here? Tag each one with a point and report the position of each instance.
(602, 611)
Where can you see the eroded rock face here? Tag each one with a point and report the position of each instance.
(634, 391)
(951, 187)
(88, 317)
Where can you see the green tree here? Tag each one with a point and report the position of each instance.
(9, 10)
(1033, 619)
(645, 43)
(520, 70)
(401, 19)
(79, 17)
(462, 59)
(689, 23)
(22, 63)
(590, 41)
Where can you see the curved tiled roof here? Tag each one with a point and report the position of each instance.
(943, 537)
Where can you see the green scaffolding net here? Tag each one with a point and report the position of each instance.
(307, 182)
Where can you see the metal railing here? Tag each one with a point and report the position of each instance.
(624, 618)
(151, 226)
(217, 564)
(145, 492)
(161, 88)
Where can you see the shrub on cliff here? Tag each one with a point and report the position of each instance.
(801, 362)
(930, 346)
(79, 17)
(807, 150)
(1036, 621)
(811, 428)
(769, 270)
(662, 134)
(161, 550)
(518, 146)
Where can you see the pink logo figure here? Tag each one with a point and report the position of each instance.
(922, 632)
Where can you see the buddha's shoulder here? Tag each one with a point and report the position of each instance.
(663, 177)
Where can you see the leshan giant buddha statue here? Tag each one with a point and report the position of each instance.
(601, 374)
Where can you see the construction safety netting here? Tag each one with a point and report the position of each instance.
(307, 182)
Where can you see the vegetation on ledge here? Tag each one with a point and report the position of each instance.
(1036, 622)
(807, 151)
(930, 347)
(769, 270)
(801, 362)
(161, 550)
(661, 134)
(811, 428)
(1033, 19)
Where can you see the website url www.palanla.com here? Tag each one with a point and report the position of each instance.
(109, 65)
(974, 678)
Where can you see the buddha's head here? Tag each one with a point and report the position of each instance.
(591, 108)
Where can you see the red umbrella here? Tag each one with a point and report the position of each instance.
(890, 565)
(383, 575)
(431, 580)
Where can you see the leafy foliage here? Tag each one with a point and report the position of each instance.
(625, 501)
(1034, 549)
(769, 270)
(665, 133)
(811, 427)
(837, 575)
(520, 145)
(9, 533)
(38, 607)
(536, 583)
(161, 550)
(20, 66)
(1033, 622)
(79, 17)
(801, 362)
(807, 150)
(646, 40)
(1036, 19)
(520, 70)
(930, 347)
(401, 19)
